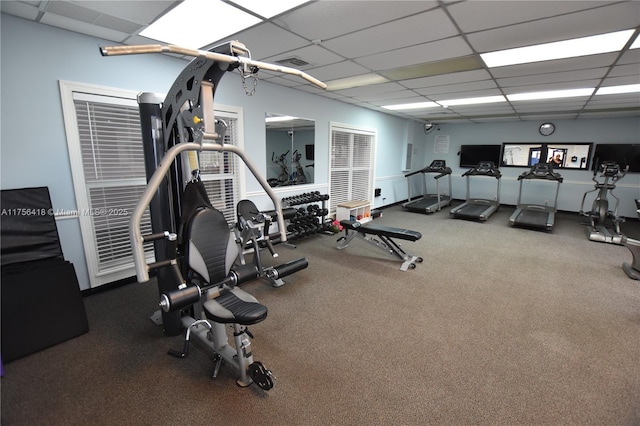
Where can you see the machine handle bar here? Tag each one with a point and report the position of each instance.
(240, 60)
(181, 298)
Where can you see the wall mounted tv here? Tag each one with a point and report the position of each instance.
(623, 154)
(568, 155)
(471, 155)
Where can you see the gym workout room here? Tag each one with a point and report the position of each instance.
(326, 212)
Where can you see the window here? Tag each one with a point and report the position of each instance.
(220, 170)
(107, 163)
(351, 165)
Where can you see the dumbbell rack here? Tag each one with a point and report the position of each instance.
(306, 222)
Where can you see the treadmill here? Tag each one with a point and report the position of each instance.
(430, 203)
(479, 208)
(537, 216)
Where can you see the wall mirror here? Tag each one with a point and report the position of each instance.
(290, 150)
(559, 155)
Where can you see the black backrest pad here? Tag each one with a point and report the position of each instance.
(247, 209)
(208, 245)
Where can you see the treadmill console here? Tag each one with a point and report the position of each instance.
(438, 165)
(609, 168)
(485, 166)
(542, 169)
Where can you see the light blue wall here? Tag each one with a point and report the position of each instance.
(576, 182)
(33, 148)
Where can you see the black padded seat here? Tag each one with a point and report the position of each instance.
(235, 307)
(386, 231)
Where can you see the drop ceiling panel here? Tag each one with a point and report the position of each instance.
(551, 87)
(557, 77)
(72, 10)
(328, 19)
(621, 81)
(559, 65)
(371, 89)
(474, 16)
(265, 40)
(20, 9)
(625, 70)
(446, 79)
(142, 12)
(315, 55)
(82, 27)
(429, 26)
(454, 90)
(596, 21)
(416, 43)
(427, 52)
(339, 70)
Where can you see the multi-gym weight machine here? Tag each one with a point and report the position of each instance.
(185, 122)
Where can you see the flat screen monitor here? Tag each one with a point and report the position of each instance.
(623, 154)
(471, 155)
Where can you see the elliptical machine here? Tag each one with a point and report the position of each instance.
(604, 224)
(633, 269)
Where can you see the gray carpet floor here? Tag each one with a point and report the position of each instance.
(498, 326)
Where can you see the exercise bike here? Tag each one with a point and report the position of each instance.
(604, 224)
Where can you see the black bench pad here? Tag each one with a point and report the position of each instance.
(386, 231)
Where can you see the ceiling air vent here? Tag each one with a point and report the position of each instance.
(293, 62)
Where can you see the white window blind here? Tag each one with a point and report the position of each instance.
(219, 171)
(351, 165)
(112, 157)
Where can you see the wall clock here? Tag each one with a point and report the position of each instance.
(546, 129)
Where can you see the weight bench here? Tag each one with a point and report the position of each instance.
(381, 237)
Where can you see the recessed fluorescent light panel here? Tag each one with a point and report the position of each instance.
(416, 105)
(472, 101)
(614, 90)
(198, 23)
(592, 45)
(553, 94)
(279, 118)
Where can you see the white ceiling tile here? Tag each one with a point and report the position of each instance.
(558, 65)
(142, 12)
(445, 79)
(630, 57)
(595, 21)
(455, 90)
(625, 70)
(372, 89)
(474, 16)
(417, 29)
(265, 40)
(71, 10)
(620, 81)
(19, 9)
(315, 55)
(83, 27)
(556, 77)
(338, 70)
(328, 19)
(582, 84)
(427, 52)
